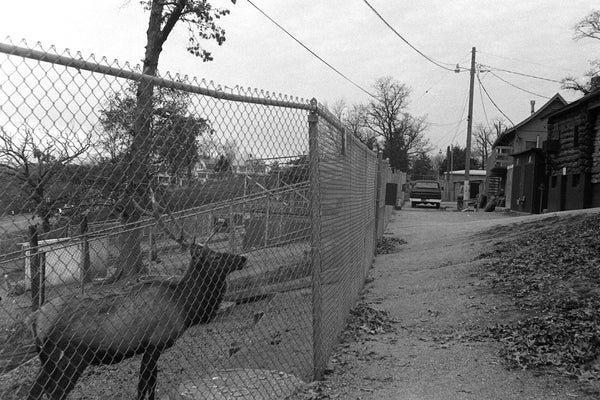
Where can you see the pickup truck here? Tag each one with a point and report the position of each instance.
(425, 192)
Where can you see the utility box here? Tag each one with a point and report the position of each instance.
(391, 194)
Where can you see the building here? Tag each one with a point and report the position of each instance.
(528, 134)
(573, 147)
(529, 181)
(454, 182)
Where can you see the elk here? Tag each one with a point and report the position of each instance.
(72, 333)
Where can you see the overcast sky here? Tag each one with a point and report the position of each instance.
(533, 37)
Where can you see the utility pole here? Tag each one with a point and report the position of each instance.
(467, 189)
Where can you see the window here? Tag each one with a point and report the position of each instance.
(553, 181)
(575, 180)
(576, 136)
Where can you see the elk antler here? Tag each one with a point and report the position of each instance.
(157, 214)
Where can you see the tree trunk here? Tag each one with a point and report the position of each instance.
(42, 209)
(137, 171)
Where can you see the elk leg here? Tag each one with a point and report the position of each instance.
(152, 381)
(148, 372)
(66, 373)
(37, 389)
(68, 380)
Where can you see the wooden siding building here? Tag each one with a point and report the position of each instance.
(573, 147)
(527, 134)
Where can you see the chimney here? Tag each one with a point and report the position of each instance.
(595, 83)
(532, 102)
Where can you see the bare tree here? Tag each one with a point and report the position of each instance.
(387, 117)
(587, 28)
(38, 163)
(484, 137)
(386, 112)
(413, 130)
(201, 20)
(356, 123)
(354, 119)
(339, 108)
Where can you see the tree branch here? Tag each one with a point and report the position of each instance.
(172, 19)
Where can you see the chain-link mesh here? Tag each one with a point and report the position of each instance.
(165, 217)
(347, 178)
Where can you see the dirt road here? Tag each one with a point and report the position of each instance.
(433, 288)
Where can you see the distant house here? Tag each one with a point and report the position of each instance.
(528, 134)
(454, 181)
(573, 147)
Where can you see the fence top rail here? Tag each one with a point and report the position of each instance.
(277, 100)
(67, 61)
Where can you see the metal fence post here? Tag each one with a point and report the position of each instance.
(319, 361)
(34, 268)
(231, 227)
(152, 244)
(267, 213)
(85, 252)
(377, 199)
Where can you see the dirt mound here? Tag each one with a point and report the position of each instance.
(551, 269)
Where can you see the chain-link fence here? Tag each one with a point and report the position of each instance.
(225, 230)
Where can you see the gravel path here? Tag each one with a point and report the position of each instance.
(433, 287)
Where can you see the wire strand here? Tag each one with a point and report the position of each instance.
(519, 73)
(310, 51)
(526, 61)
(487, 122)
(439, 142)
(517, 87)
(493, 102)
(431, 60)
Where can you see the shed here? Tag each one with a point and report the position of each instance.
(529, 182)
(454, 181)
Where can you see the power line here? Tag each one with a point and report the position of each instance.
(431, 60)
(458, 124)
(519, 73)
(493, 102)
(517, 87)
(311, 52)
(448, 124)
(487, 122)
(526, 61)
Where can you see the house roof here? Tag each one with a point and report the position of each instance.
(585, 99)
(540, 113)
